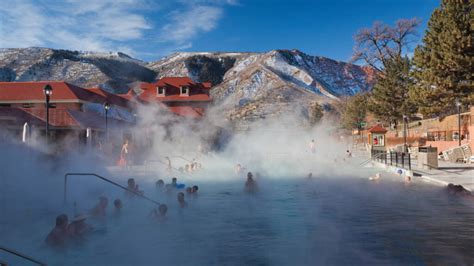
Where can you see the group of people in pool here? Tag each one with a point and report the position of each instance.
(65, 231)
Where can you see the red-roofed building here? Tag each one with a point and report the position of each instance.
(181, 95)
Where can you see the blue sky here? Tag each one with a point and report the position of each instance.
(149, 29)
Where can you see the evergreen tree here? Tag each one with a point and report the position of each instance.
(389, 99)
(353, 111)
(443, 64)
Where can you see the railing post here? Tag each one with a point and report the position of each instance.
(403, 160)
(385, 157)
(396, 159)
(409, 161)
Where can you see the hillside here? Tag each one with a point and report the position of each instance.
(247, 86)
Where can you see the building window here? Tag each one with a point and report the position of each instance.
(5, 105)
(28, 105)
(185, 91)
(52, 105)
(161, 91)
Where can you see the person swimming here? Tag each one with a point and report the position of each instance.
(160, 183)
(310, 176)
(195, 189)
(59, 234)
(160, 213)
(117, 207)
(99, 210)
(181, 201)
(376, 177)
(250, 185)
(458, 190)
(78, 227)
(189, 190)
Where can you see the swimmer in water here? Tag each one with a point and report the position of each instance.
(160, 183)
(160, 213)
(310, 175)
(458, 190)
(174, 182)
(58, 235)
(376, 177)
(195, 189)
(78, 227)
(117, 207)
(348, 153)
(251, 185)
(99, 210)
(181, 201)
(189, 190)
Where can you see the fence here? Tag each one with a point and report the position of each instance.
(392, 158)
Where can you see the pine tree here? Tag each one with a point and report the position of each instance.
(443, 64)
(354, 111)
(389, 99)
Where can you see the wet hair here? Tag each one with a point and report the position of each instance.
(61, 220)
(249, 175)
(130, 181)
(163, 209)
(195, 188)
(174, 179)
(160, 182)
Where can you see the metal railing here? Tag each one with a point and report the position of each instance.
(106, 180)
(398, 159)
(16, 253)
(373, 157)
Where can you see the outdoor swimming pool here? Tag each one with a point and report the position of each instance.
(292, 221)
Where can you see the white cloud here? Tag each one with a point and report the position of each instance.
(76, 24)
(186, 25)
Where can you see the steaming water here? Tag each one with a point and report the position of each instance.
(292, 221)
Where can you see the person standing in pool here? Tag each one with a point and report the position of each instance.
(99, 210)
(251, 185)
(181, 201)
(312, 146)
(58, 235)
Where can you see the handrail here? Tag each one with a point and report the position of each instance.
(172, 168)
(181, 157)
(106, 180)
(371, 158)
(22, 255)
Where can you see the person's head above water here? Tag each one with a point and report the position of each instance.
(174, 180)
(195, 188)
(163, 209)
(249, 176)
(181, 197)
(118, 204)
(189, 190)
(61, 221)
(131, 182)
(160, 183)
(310, 175)
(103, 201)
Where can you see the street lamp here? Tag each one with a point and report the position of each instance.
(458, 105)
(405, 148)
(106, 109)
(48, 91)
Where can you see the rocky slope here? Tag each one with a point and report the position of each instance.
(247, 86)
(111, 71)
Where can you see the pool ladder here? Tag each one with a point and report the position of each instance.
(16, 253)
(106, 180)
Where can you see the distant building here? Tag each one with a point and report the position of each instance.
(73, 110)
(180, 95)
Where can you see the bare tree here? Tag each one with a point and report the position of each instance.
(381, 43)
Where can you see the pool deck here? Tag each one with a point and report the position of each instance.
(456, 173)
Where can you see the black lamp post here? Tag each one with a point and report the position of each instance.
(405, 148)
(106, 109)
(48, 91)
(458, 105)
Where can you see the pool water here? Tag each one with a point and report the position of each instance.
(291, 221)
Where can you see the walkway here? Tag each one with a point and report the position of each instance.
(456, 173)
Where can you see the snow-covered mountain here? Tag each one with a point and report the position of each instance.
(245, 85)
(253, 85)
(112, 71)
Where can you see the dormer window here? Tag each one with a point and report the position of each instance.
(161, 91)
(184, 91)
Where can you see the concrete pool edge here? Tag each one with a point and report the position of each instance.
(405, 172)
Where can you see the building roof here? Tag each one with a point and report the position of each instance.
(110, 97)
(58, 118)
(150, 96)
(198, 92)
(377, 129)
(186, 111)
(33, 92)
